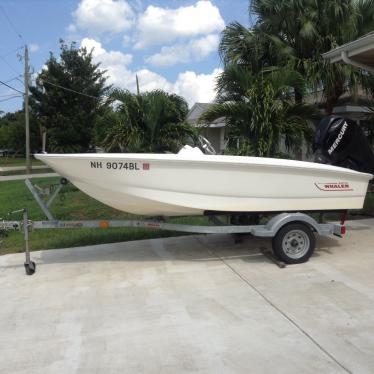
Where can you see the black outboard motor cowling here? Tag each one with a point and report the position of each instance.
(340, 141)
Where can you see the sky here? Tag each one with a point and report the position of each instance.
(170, 44)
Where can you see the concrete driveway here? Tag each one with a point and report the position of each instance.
(195, 304)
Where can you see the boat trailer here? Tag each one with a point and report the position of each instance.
(293, 233)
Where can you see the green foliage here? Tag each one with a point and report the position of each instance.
(368, 128)
(269, 67)
(148, 122)
(12, 132)
(68, 117)
(258, 110)
(17, 161)
(295, 33)
(249, 47)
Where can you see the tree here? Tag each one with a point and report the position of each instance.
(68, 98)
(12, 132)
(259, 111)
(316, 27)
(147, 122)
(295, 33)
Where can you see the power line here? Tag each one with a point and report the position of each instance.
(12, 51)
(43, 81)
(10, 66)
(7, 95)
(12, 79)
(69, 89)
(9, 98)
(12, 24)
(12, 88)
(19, 80)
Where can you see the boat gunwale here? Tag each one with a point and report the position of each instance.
(324, 168)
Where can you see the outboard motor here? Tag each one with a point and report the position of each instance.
(341, 142)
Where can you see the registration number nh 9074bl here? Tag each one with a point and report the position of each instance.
(118, 165)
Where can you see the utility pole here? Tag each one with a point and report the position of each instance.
(137, 85)
(27, 125)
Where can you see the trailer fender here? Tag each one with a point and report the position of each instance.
(280, 220)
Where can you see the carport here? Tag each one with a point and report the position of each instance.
(359, 53)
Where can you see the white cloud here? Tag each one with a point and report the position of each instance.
(115, 62)
(149, 80)
(71, 28)
(126, 40)
(34, 47)
(196, 87)
(99, 16)
(192, 86)
(163, 25)
(93, 44)
(194, 50)
(109, 59)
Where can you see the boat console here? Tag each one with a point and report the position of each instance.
(341, 142)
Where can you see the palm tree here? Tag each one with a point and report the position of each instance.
(147, 122)
(259, 110)
(295, 33)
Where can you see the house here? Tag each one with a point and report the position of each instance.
(359, 107)
(213, 131)
(359, 53)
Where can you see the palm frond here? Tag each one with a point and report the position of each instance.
(284, 79)
(235, 111)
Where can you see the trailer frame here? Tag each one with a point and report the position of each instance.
(270, 229)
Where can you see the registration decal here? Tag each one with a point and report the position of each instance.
(114, 165)
(334, 186)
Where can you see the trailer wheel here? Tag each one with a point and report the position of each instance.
(30, 268)
(294, 243)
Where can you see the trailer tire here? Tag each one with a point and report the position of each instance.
(30, 268)
(294, 243)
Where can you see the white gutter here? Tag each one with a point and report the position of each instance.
(349, 61)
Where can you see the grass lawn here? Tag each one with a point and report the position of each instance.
(15, 161)
(33, 171)
(70, 204)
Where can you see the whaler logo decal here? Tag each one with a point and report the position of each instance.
(338, 139)
(334, 186)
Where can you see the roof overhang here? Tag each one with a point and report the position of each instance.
(354, 111)
(359, 53)
(211, 125)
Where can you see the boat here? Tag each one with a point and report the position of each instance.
(193, 183)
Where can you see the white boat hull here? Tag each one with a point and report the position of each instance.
(175, 185)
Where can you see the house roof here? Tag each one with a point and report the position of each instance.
(359, 52)
(353, 111)
(197, 110)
